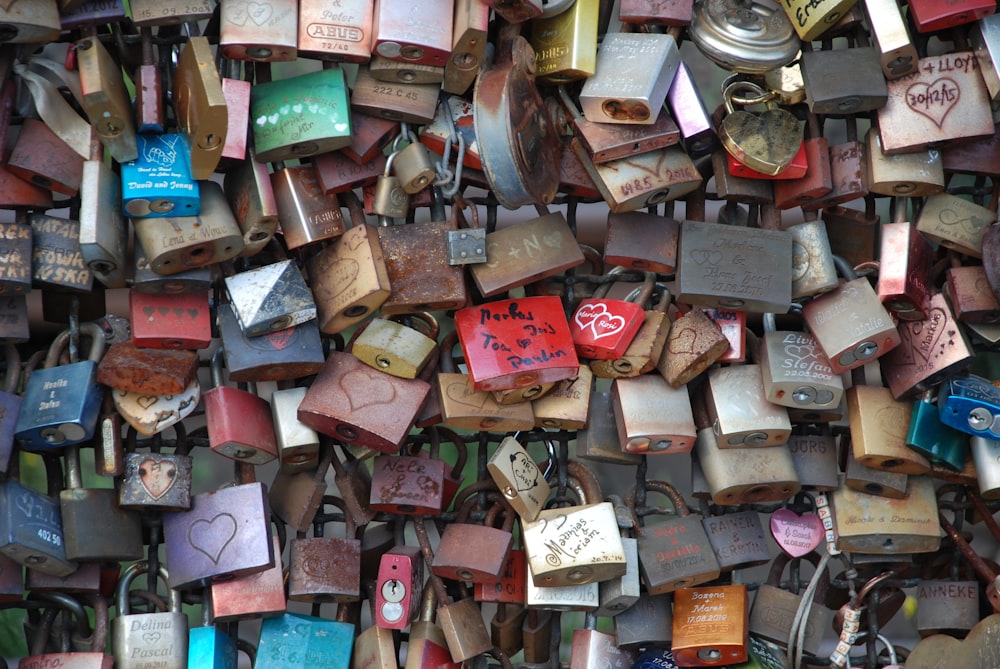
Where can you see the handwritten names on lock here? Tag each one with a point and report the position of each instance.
(56, 256)
(516, 343)
(15, 257)
(945, 99)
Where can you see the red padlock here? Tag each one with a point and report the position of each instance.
(516, 343)
(796, 169)
(239, 423)
(167, 320)
(602, 329)
(398, 589)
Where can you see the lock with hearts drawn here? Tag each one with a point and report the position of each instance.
(602, 329)
(157, 480)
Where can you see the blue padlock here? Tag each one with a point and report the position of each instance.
(159, 182)
(61, 402)
(970, 404)
(292, 641)
(934, 440)
(209, 647)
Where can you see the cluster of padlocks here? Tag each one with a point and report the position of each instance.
(824, 386)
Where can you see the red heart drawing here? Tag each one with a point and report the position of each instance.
(157, 476)
(210, 537)
(795, 534)
(600, 321)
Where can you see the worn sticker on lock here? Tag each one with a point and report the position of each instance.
(734, 268)
(944, 99)
(159, 182)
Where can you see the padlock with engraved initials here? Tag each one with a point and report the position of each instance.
(815, 459)
(519, 479)
(225, 533)
(239, 422)
(16, 257)
(955, 223)
(737, 539)
(56, 257)
(795, 371)
(774, 608)
(343, 32)
(326, 569)
(258, 32)
(408, 485)
(565, 43)
(292, 638)
(61, 403)
(137, 637)
(674, 553)
(710, 625)
(866, 523)
(905, 258)
(31, 530)
(362, 406)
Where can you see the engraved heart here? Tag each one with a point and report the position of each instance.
(971, 225)
(934, 100)
(553, 240)
(795, 534)
(178, 312)
(339, 275)
(260, 12)
(210, 537)
(924, 335)
(151, 637)
(273, 118)
(656, 168)
(683, 341)
(979, 649)
(703, 256)
(149, 312)
(365, 388)
(600, 321)
(157, 476)
(461, 392)
(894, 421)
(284, 109)
(163, 310)
(800, 353)
(236, 13)
(297, 108)
(146, 401)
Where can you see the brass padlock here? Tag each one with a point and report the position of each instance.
(694, 343)
(201, 105)
(710, 625)
(565, 43)
(955, 223)
(871, 524)
(766, 143)
(897, 54)
(914, 174)
(879, 425)
(106, 101)
(468, 45)
(566, 406)
(258, 32)
(739, 413)
(251, 196)
(652, 417)
(343, 32)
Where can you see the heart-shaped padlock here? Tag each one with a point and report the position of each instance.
(766, 142)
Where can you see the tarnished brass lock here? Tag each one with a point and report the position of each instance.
(391, 200)
(395, 348)
(106, 101)
(766, 143)
(565, 43)
(916, 174)
(454, 561)
(955, 223)
(307, 213)
(468, 45)
(878, 431)
(644, 352)
(519, 479)
(201, 105)
(871, 524)
(258, 32)
(396, 101)
(710, 625)
(652, 417)
(739, 413)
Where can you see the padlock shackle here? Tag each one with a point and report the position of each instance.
(462, 450)
(64, 602)
(12, 373)
(125, 580)
(62, 340)
(215, 367)
(783, 559)
(321, 518)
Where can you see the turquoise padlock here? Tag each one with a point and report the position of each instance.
(292, 641)
(209, 647)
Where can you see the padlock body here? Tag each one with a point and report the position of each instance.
(257, 595)
(325, 569)
(454, 561)
(930, 16)
(620, 91)
(397, 592)
(60, 407)
(428, 284)
(159, 182)
(75, 660)
(240, 426)
(647, 624)
(464, 630)
(879, 424)
(163, 320)
(31, 530)
(341, 34)
(968, 404)
(56, 256)
(95, 528)
(602, 329)
(227, 532)
(291, 639)
(710, 625)
(15, 270)
(407, 485)
(410, 34)
(740, 415)
(947, 607)
(269, 35)
(746, 475)
(815, 460)
(796, 373)
(42, 158)
(675, 554)
(211, 647)
(269, 298)
(642, 241)
(567, 553)
(955, 223)
(592, 648)
(737, 539)
(773, 612)
(984, 455)
(873, 524)
(157, 480)
(349, 279)
(829, 93)
(251, 196)
(308, 212)
(510, 585)
(652, 417)
(153, 13)
(286, 354)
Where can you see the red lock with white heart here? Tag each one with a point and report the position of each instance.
(603, 328)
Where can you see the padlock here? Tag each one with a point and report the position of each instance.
(848, 173)
(14, 318)
(431, 284)
(765, 143)
(353, 480)
(10, 405)
(710, 625)
(292, 638)
(737, 539)
(405, 33)
(590, 648)
(618, 594)
(739, 413)
(688, 109)
(338, 171)
(872, 480)
(897, 54)
(89, 578)
(915, 174)
(744, 474)
(671, 13)
(904, 274)
(565, 44)
(200, 105)
(539, 599)
(694, 343)
(511, 586)
(269, 298)
(159, 182)
(426, 645)
(145, 280)
(326, 569)
(642, 241)
(406, 72)
(967, 291)
(815, 459)
(105, 99)
(225, 533)
(852, 232)
(652, 417)
(775, 608)
(753, 38)
(795, 371)
(249, 32)
(509, 113)
(92, 640)
(62, 170)
(828, 93)
(276, 107)
(210, 646)
(152, 371)
(396, 349)
(341, 34)
(177, 243)
(468, 48)
(865, 523)
(452, 560)
(31, 530)
(138, 637)
(61, 403)
(157, 480)
(239, 422)
(878, 431)
(616, 322)
(349, 279)
(967, 403)
(984, 453)
(252, 198)
(519, 479)
(16, 270)
(236, 94)
(516, 343)
(872, 334)
(955, 223)
(374, 647)
(400, 102)
(398, 587)
(170, 320)
(818, 179)
(56, 258)
(732, 187)
(947, 606)
(94, 527)
(275, 356)
(566, 405)
(261, 594)
(647, 624)
(408, 484)
(390, 200)
(295, 496)
(920, 363)
(599, 441)
(103, 230)
(377, 412)
(298, 445)
(307, 213)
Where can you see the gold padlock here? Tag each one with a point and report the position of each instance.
(766, 143)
